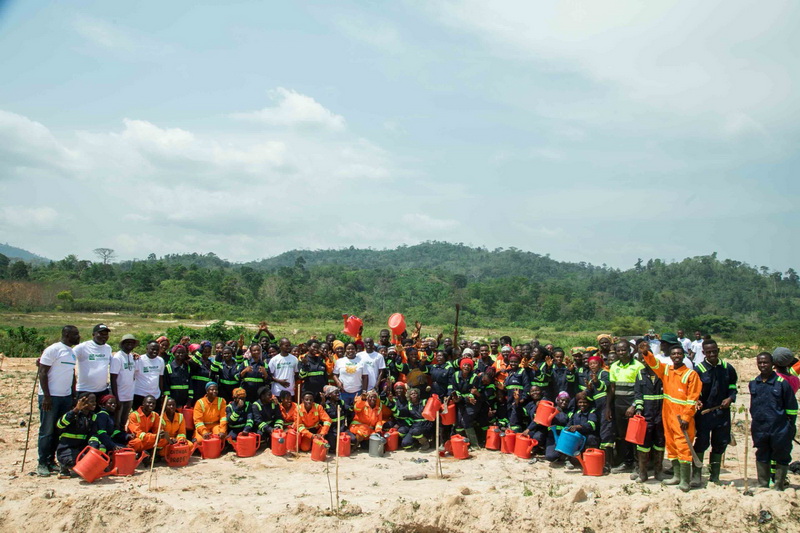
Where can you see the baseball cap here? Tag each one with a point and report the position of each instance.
(100, 327)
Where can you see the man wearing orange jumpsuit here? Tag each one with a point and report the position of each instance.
(173, 424)
(209, 414)
(144, 424)
(313, 420)
(682, 388)
(368, 416)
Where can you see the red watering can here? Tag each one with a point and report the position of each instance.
(493, 438)
(449, 414)
(91, 464)
(459, 446)
(344, 445)
(397, 323)
(178, 455)
(392, 440)
(637, 429)
(188, 417)
(291, 440)
(545, 412)
(246, 445)
(524, 446)
(508, 442)
(278, 444)
(352, 325)
(124, 461)
(319, 448)
(432, 406)
(592, 461)
(211, 448)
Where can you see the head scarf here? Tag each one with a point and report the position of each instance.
(400, 384)
(604, 336)
(238, 393)
(337, 343)
(327, 390)
(596, 358)
(578, 349)
(506, 349)
(206, 343)
(466, 361)
(105, 397)
(208, 385)
(562, 394)
(161, 338)
(468, 352)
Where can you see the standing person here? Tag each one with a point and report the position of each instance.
(225, 372)
(719, 380)
(283, 368)
(201, 369)
(122, 371)
(682, 388)
(668, 340)
(605, 343)
(563, 375)
(685, 341)
(374, 364)
(696, 348)
(773, 408)
(253, 374)
(619, 402)
(178, 378)
(56, 388)
(648, 402)
(313, 372)
(597, 389)
(384, 339)
(349, 375)
(94, 359)
(148, 375)
(465, 390)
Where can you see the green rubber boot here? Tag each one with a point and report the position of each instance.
(714, 466)
(763, 472)
(676, 474)
(781, 471)
(697, 475)
(686, 475)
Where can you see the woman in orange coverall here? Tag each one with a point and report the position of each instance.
(313, 421)
(209, 414)
(682, 388)
(368, 416)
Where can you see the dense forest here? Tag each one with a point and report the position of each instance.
(494, 287)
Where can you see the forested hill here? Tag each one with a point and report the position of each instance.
(493, 287)
(476, 263)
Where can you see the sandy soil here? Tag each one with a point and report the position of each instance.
(489, 492)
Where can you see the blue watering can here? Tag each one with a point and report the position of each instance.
(568, 442)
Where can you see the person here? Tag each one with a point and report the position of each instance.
(283, 367)
(264, 416)
(597, 388)
(148, 377)
(209, 414)
(56, 377)
(368, 417)
(225, 372)
(783, 359)
(75, 428)
(374, 364)
(419, 429)
(313, 420)
(619, 402)
(122, 370)
(337, 411)
(516, 386)
(696, 348)
(144, 425)
(104, 435)
(557, 425)
(563, 374)
(465, 390)
(313, 371)
(349, 375)
(253, 374)
(648, 394)
(718, 392)
(539, 371)
(236, 412)
(682, 389)
(201, 369)
(441, 371)
(288, 408)
(686, 343)
(263, 336)
(668, 340)
(583, 420)
(94, 358)
(773, 409)
(173, 425)
(604, 343)
(178, 378)
(384, 338)
(532, 429)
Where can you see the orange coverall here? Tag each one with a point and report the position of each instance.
(367, 419)
(210, 417)
(682, 389)
(144, 429)
(175, 429)
(290, 416)
(314, 419)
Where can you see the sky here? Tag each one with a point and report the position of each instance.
(599, 131)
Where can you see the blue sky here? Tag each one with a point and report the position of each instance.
(593, 131)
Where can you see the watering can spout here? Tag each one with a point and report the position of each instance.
(142, 458)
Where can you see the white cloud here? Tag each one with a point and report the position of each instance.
(294, 109)
(40, 218)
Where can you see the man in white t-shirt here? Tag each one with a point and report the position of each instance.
(94, 359)
(148, 375)
(122, 373)
(685, 342)
(283, 368)
(373, 362)
(349, 375)
(56, 387)
(696, 348)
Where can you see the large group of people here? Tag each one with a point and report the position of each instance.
(322, 388)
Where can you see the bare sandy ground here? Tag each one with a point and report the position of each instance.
(489, 492)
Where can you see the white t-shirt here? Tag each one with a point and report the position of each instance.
(373, 364)
(122, 364)
(146, 376)
(283, 368)
(93, 362)
(349, 372)
(686, 343)
(61, 360)
(655, 346)
(697, 348)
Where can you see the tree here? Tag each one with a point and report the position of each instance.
(4, 261)
(105, 254)
(18, 270)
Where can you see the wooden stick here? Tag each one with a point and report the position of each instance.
(438, 455)
(155, 446)
(746, 447)
(297, 423)
(30, 419)
(338, 430)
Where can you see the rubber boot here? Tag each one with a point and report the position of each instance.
(658, 464)
(643, 460)
(609, 460)
(714, 465)
(676, 474)
(686, 476)
(697, 474)
(763, 471)
(424, 445)
(781, 471)
(473, 438)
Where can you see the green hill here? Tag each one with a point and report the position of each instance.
(12, 252)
